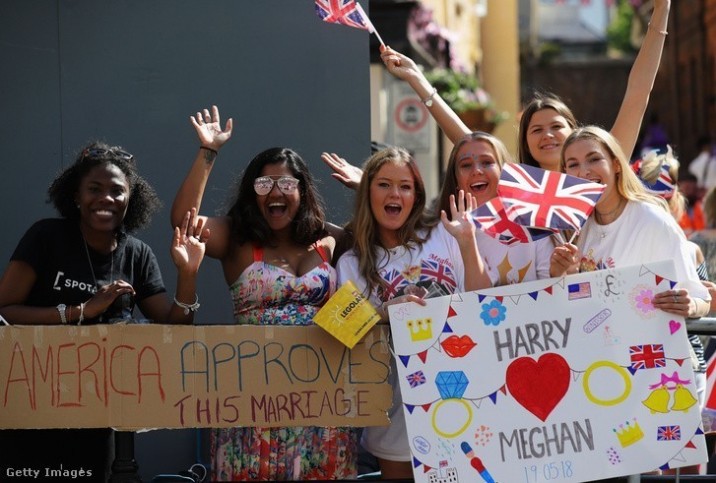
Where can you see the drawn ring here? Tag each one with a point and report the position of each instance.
(462, 428)
(619, 370)
(676, 301)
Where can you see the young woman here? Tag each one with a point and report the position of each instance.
(396, 252)
(275, 249)
(474, 166)
(628, 226)
(546, 121)
(86, 268)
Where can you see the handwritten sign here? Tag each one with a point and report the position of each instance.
(162, 376)
(559, 380)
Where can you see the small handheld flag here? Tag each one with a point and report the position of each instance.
(492, 219)
(346, 12)
(537, 198)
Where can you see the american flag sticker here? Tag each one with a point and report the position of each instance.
(416, 379)
(578, 291)
(668, 433)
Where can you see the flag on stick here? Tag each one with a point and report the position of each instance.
(537, 198)
(492, 219)
(346, 12)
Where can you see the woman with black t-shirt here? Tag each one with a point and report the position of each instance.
(85, 268)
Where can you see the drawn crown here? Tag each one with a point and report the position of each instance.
(421, 329)
(629, 434)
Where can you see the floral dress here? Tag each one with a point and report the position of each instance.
(268, 295)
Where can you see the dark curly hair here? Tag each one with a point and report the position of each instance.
(247, 222)
(143, 200)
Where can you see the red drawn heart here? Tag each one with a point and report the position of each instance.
(538, 385)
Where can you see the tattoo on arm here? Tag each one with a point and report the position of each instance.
(209, 156)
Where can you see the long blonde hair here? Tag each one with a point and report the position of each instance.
(628, 184)
(364, 228)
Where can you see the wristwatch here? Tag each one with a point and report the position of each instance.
(61, 309)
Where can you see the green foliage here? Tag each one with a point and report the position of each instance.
(462, 92)
(619, 31)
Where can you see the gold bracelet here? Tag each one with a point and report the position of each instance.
(662, 32)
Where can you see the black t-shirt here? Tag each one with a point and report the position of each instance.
(66, 273)
(69, 272)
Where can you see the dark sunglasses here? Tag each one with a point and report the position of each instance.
(92, 153)
(264, 184)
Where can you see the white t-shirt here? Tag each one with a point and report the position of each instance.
(439, 261)
(643, 233)
(517, 263)
(703, 167)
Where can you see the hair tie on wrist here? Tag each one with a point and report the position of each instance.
(662, 32)
(209, 149)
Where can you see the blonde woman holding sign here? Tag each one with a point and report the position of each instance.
(398, 256)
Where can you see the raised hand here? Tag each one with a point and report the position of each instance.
(208, 128)
(344, 171)
(401, 66)
(189, 243)
(460, 224)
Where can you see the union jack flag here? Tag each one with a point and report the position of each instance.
(438, 272)
(346, 12)
(416, 379)
(668, 433)
(647, 356)
(492, 219)
(663, 186)
(391, 288)
(537, 198)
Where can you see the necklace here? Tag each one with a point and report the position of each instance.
(89, 261)
(600, 216)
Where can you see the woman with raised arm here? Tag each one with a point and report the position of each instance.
(86, 268)
(546, 121)
(275, 249)
(397, 252)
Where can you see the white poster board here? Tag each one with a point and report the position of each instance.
(558, 380)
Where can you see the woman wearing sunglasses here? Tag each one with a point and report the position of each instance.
(86, 268)
(275, 249)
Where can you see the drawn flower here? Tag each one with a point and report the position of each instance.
(493, 313)
(643, 301)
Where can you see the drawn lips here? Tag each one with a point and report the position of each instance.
(458, 346)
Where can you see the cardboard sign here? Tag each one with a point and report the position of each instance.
(163, 376)
(558, 380)
(347, 316)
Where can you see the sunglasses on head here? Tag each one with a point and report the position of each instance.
(264, 184)
(101, 152)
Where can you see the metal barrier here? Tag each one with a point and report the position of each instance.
(702, 326)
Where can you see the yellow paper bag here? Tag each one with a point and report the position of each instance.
(347, 315)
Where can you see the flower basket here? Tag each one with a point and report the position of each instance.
(477, 119)
(462, 92)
